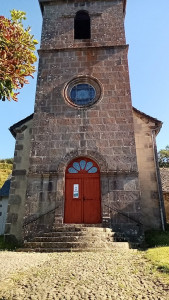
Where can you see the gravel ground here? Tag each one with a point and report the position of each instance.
(117, 274)
(13, 262)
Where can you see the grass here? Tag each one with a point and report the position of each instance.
(158, 249)
(160, 258)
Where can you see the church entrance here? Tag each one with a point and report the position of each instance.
(82, 192)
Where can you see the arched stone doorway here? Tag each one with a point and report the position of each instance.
(82, 192)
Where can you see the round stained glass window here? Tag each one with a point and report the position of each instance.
(82, 91)
(83, 94)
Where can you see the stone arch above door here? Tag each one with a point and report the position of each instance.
(94, 155)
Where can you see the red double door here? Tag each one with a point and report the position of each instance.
(82, 201)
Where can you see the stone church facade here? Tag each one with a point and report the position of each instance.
(85, 155)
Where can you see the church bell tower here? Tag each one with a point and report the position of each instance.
(83, 156)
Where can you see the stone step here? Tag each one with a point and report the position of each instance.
(76, 238)
(82, 233)
(63, 244)
(80, 228)
(79, 225)
(114, 245)
(70, 244)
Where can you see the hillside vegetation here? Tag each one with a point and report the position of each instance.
(5, 169)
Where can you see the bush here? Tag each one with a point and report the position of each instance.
(155, 238)
(7, 245)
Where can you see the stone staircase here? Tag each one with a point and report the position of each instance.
(76, 238)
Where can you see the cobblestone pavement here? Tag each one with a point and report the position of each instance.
(117, 274)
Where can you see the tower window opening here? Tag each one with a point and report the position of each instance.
(82, 25)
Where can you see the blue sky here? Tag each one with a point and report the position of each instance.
(147, 33)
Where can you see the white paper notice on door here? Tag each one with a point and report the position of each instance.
(76, 191)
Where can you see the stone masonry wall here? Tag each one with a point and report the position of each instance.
(104, 131)
(16, 205)
(164, 173)
(166, 202)
(107, 26)
(147, 172)
(106, 127)
(54, 185)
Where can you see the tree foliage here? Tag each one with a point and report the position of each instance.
(163, 157)
(17, 55)
(7, 161)
(6, 166)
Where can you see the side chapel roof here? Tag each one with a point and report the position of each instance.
(18, 124)
(158, 124)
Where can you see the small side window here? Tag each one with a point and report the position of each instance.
(82, 25)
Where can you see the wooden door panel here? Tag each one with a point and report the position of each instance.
(91, 200)
(87, 207)
(73, 206)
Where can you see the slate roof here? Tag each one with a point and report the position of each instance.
(165, 179)
(18, 124)
(4, 191)
(158, 124)
(155, 120)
